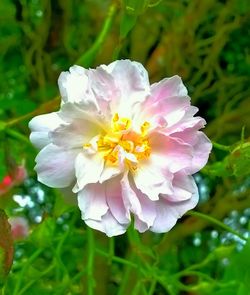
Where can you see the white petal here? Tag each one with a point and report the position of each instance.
(40, 126)
(88, 169)
(150, 180)
(73, 84)
(109, 225)
(131, 80)
(92, 201)
(75, 134)
(55, 166)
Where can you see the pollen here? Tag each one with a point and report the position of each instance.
(121, 138)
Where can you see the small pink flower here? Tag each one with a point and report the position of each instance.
(125, 146)
(19, 227)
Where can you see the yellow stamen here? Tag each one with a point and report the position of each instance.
(120, 135)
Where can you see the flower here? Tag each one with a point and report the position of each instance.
(125, 146)
(19, 227)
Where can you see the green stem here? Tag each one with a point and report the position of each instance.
(90, 263)
(24, 270)
(88, 57)
(152, 287)
(217, 222)
(16, 135)
(221, 147)
(117, 259)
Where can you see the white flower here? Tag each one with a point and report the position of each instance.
(125, 146)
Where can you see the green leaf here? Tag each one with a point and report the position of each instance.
(6, 247)
(240, 160)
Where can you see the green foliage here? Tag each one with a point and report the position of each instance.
(206, 43)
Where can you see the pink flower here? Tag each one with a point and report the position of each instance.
(125, 146)
(19, 227)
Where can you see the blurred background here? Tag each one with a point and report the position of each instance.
(207, 44)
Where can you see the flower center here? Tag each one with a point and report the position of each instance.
(135, 145)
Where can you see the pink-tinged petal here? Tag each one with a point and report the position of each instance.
(115, 202)
(151, 180)
(188, 121)
(88, 169)
(75, 134)
(131, 80)
(137, 203)
(55, 166)
(168, 212)
(109, 225)
(171, 153)
(40, 126)
(201, 151)
(73, 85)
(145, 217)
(92, 201)
(183, 188)
(168, 87)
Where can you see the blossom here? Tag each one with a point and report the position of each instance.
(19, 227)
(125, 147)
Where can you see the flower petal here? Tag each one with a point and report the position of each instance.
(201, 145)
(109, 225)
(168, 212)
(171, 153)
(55, 166)
(88, 169)
(75, 134)
(168, 87)
(183, 188)
(115, 201)
(151, 181)
(73, 85)
(40, 126)
(92, 201)
(131, 80)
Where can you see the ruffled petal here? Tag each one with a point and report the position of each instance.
(152, 181)
(131, 80)
(137, 203)
(171, 153)
(40, 126)
(73, 85)
(201, 145)
(103, 208)
(115, 202)
(109, 225)
(88, 169)
(167, 212)
(55, 166)
(183, 188)
(92, 201)
(75, 134)
(187, 121)
(168, 87)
